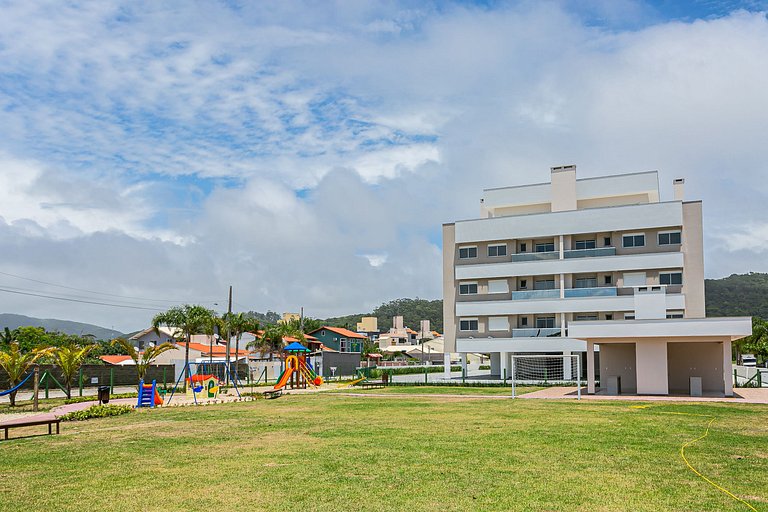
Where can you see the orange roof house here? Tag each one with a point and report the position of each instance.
(339, 339)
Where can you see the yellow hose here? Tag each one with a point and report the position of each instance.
(690, 443)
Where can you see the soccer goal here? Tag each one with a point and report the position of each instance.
(546, 370)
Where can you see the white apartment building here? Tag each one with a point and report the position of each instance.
(544, 256)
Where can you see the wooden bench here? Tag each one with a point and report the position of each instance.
(47, 419)
(273, 393)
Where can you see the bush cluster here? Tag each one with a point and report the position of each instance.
(97, 411)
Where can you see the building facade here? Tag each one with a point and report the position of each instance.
(545, 255)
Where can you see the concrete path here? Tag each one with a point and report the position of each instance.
(740, 395)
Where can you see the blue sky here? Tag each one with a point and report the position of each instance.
(307, 153)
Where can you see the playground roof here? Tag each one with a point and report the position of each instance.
(296, 347)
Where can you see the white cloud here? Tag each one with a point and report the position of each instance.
(155, 151)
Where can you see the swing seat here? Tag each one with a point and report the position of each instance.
(197, 389)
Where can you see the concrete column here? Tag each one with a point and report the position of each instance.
(567, 365)
(727, 368)
(503, 366)
(562, 286)
(463, 362)
(562, 324)
(495, 363)
(651, 367)
(562, 250)
(591, 367)
(447, 365)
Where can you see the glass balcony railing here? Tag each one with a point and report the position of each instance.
(535, 256)
(536, 294)
(590, 253)
(606, 291)
(533, 332)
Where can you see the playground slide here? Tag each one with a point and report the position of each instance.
(158, 399)
(284, 379)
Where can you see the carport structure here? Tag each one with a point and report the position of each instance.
(662, 356)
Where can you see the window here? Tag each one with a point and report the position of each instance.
(607, 241)
(634, 279)
(467, 252)
(467, 288)
(671, 238)
(322, 333)
(629, 317)
(523, 321)
(609, 316)
(497, 250)
(586, 317)
(633, 240)
(468, 324)
(585, 244)
(498, 286)
(498, 323)
(585, 282)
(523, 247)
(545, 247)
(545, 322)
(608, 279)
(544, 284)
(674, 315)
(671, 278)
(523, 284)
(343, 345)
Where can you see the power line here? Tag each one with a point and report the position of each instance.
(77, 300)
(97, 293)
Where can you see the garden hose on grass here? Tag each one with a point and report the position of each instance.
(692, 442)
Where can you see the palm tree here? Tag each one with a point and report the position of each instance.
(15, 363)
(145, 358)
(189, 320)
(69, 358)
(272, 339)
(240, 323)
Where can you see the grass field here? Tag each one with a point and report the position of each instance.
(442, 390)
(335, 452)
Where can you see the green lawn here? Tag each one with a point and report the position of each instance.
(443, 390)
(334, 452)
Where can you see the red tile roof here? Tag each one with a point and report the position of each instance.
(114, 359)
(343, 332)
(218, 350)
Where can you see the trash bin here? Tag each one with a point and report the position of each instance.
(103, 394)
(385, 378)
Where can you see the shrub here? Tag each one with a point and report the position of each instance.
(97, 411)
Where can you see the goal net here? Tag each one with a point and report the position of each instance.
(546, 370)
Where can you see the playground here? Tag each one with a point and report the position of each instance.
(329, 451)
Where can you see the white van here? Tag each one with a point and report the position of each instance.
(748, 360)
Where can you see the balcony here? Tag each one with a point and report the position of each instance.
(536, 294)
(590, 253)
(535, 256)
(532, 332)
(605, 291)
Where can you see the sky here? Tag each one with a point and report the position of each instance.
(307, 153)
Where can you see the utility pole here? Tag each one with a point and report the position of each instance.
(229, 334)
(301, 319)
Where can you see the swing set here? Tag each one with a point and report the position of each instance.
(205, 380)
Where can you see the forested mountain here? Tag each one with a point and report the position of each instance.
(12, 321)
(738, 295)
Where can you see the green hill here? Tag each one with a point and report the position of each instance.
(12, 321)
(412, 311)
(738, 295)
